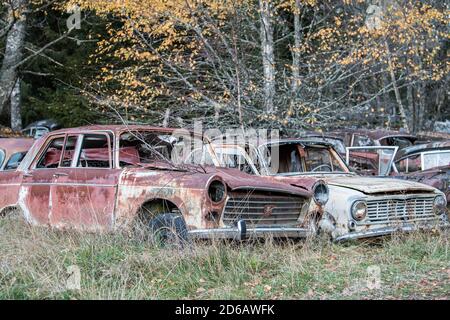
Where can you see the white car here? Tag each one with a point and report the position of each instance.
(355, 206)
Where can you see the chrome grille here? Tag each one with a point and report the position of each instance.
(399, 210)
(262, 209)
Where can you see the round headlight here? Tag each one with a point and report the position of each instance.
(217, 191)
(321, 193)
(439, 204)
(359, 210)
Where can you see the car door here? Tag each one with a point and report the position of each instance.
(34, 195)
(83, 195)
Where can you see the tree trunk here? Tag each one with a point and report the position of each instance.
(16, 118)
(295, 49)
(412, 108)
(401, 109)
(421, 103)
(166, 119)
(13, 52)
(268, 58)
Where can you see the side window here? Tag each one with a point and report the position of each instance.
(2, 157)
(95, 152)
(50, 158)
(402, 165)
(15, 160)
(347, 139)
(411, 164)
(414, 163)
(362, 141)
(69, 151)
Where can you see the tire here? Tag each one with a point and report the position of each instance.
(168, 229)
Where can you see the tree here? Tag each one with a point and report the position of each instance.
(267, 52)
(289, 64)
(17, 11)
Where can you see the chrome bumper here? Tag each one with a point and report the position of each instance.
(241, 232)
(378, 232)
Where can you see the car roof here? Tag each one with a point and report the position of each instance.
(321, 135)
(302, 141)
(376, 134)
(433, 146)
(14, 145)
(117, 129)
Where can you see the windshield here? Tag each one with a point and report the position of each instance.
(236, 158)
(375, 161)
(337, 143)
(436, 159)
(401, 142)
(295, 158)
(149, 147)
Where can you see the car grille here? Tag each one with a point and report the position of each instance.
(262, 209)
(400, 210)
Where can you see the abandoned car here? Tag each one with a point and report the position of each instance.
(12, 151)
(104, 178)
(377, 137)
(355, 207)
(39, 128)
(427, 163)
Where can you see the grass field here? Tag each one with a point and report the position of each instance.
(34, 264)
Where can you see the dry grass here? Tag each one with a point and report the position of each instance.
(34, 262)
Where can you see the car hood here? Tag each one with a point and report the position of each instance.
(238, 180)
(377, 185)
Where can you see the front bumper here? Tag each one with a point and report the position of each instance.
(241, 232)
(385, 231)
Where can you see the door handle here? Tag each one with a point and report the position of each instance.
(60, 174)
(27, 175)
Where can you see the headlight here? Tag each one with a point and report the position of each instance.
(439, 204)
(217, 191)
(359, 210)
(321, 193)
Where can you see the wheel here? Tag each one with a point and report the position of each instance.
(168, 229)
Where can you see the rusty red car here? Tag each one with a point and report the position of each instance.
(12, 151)
(105, 178)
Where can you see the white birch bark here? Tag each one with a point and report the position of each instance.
(16, 118)
(295, 49)
(267, 50)
(13, 54)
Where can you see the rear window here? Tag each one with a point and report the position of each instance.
(15, 160)
(410, 164)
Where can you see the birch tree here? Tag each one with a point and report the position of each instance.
(267, 53)
(13, 54)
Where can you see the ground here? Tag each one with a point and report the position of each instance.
(38, 263)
